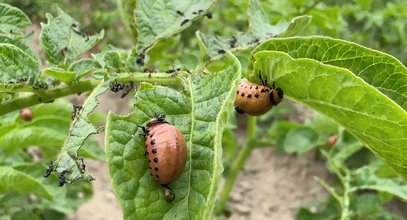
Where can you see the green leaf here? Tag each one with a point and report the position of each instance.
(81, 128)
(82, 67)
(62, 41)
(300, 140)
(12, 19)
(60, 74)
(365, 112)
(20, 44)
(378, 69)
(127, 8)
(14, 180)
(296, 25)
(367, 204)
(200, 114)
(92, 150)
(365, 178)
(156, 20)
(260, 30)
(31, 136)
(17, 65)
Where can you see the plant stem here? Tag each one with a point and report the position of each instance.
(346, 213)
(48, 95)
(237, 164)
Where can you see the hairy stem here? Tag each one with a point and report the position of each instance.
(48, 95)
(237, 164)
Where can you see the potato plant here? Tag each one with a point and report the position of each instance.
(361, 89)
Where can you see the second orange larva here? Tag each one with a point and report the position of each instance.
(254, 99)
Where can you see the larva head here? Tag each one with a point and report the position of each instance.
(159, 118)
(276, 95)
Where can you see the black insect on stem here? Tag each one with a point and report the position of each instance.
(184, 22)
(209, 15)
(221, 51)
(116, 87)
(49, 169)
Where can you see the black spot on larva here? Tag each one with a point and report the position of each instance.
(249, 95)
(149, 160)
(262, 90)
(154, 150)
(237, 92)
(151, 135)
(241, 85)
(256, 95)
(156, 159)
(152, 142)
(245, 87)
(250, 87)
(157, 176)
(150, 168)
(257, 87)
(151, 174)
(242, 94)
(156, 169)
(145, 153)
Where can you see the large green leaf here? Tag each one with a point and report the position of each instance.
(260, 30)
(20, 44)
(62, 41)
(12, 19)
(81, 128)
(200, 114)
(159, 19)
(14, 180)
(378, 69)
(31, 136)
(336, 92)
(16, 65)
